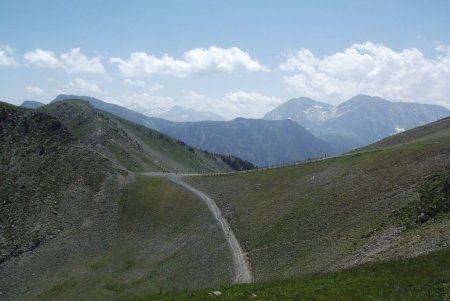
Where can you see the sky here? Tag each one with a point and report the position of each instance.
(233, 58)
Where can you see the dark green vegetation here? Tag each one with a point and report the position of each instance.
(421, 278)
(376, 204)
(133, 146)
(159, 246)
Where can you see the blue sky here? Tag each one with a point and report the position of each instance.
(236, 58)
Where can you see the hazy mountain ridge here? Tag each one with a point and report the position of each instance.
(359, 121)
(261, 142)
(151, 122)
(133, 146)
(182, 114)
(305, 111)
(32, 104)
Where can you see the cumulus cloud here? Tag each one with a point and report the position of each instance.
(42, 58)
(443, 48)
(73, 61)
(76, 62)
(34, 90)
(135, 83)
(195, 61)
(372, 69)
(230, 105)
(250, 104)
(143, 84)
(7, 56)
(155, 88)
(80, 85)
(233, 104)
(145, 103)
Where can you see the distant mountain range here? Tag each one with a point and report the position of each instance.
(182, 114)
(151, 122)
(135, 147)
(32, 104)
(358, 121)
(329, 129)
(261, 142)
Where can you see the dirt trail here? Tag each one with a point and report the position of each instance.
(242, 267)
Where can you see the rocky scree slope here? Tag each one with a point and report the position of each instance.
(54, 196)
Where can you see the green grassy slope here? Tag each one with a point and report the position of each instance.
(340, 212)
(421, 278)
(436, 130)
(166, 240)
(135, 147)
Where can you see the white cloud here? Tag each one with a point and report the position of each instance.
(34, 90)
(143, 84)
(230, 105)
(372, 69)
(42, 58)
(73, 61)
(145, 103)
(250, 104)
(398, 130)
(443, 48)
(80, 85)
(76, 62)
(233, 104)
(195, 61)
(7, 56)
(155, 88)
(135, 83)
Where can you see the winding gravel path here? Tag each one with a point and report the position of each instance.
(241, 265)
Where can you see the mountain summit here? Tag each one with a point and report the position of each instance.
(358, 121)
(305, 111)
(182, 114)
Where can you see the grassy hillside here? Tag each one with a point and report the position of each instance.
(160, 246)
(135, 147)
(340, 212)
(436, 130)
(421, 278)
